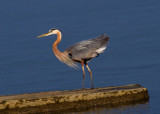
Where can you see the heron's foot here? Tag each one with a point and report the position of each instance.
(92, 87)
(83, 89)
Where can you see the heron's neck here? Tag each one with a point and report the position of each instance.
(55, 49)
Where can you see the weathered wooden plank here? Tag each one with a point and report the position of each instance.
(73, 99)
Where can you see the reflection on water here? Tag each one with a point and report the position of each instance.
(131, 109)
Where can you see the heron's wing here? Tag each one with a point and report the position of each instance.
(88, 48)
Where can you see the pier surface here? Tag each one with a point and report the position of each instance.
(75, 100)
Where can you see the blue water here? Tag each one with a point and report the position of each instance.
(27, 64)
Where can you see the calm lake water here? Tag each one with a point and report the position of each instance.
(27, 64)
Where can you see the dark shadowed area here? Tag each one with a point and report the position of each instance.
(28, 65)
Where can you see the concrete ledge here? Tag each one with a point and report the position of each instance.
(55, 101)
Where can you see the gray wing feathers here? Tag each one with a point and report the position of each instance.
(88, 48)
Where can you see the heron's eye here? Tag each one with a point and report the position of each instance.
(50, 30)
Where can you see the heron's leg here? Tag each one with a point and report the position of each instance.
(82, 63)
(90, 74)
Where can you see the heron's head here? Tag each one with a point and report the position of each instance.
(50, 32)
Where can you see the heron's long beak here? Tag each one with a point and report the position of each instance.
(46, 34)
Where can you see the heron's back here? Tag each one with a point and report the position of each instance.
(88, 49)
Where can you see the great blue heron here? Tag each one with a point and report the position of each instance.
(81, 52)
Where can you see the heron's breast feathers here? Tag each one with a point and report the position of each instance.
(64, 57)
